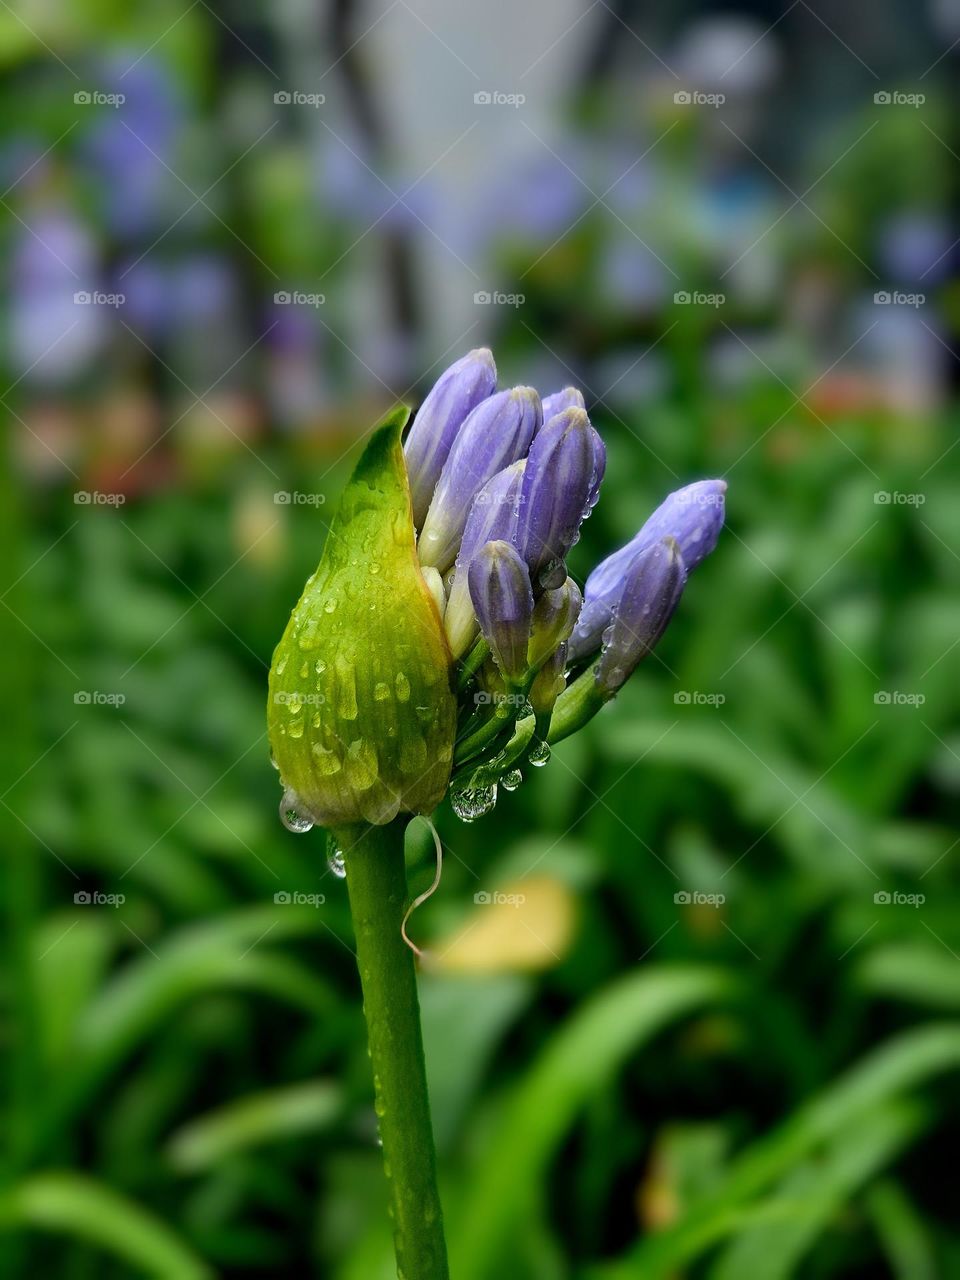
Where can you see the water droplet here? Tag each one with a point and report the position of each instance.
(336, 864)
(273, 760)
(330, 605)
(381, 691)
(346, 688)
(327, 762)
(402, 685)
(510, 781)
(470, 803)
(296, 729)
(360, 764)
(304, 670)
(290, 815)
(319, 666)
(539, 754)
(281, 664)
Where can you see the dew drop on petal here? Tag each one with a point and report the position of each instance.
(290, 815)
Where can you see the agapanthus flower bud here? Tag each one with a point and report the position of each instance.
(497, 432)
(568, 398)
(693, 516)
(454, 395)
(503, 601)
(649, 595)
(554, 495)
(554, 616)
(492, 517)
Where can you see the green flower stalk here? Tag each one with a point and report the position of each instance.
(417, 665)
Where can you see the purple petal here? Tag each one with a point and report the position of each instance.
(503, 600)
(553, 497)
(492, 517)
(568, 398)
(496, 433)
(454, 396)
(692, 515)
(650, 594)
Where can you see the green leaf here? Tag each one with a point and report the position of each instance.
(894, 1069)
(814, 1193)
(587, 1051)
(256, 1119)
(925, 975)
(72, 1205)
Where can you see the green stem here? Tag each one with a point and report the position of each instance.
(377, 885)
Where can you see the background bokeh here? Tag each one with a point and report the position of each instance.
(719, 1035)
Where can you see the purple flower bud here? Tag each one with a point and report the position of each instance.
(456, 393)
(554, 494)
(692, 515)
(503, 599)
(496, 433)
(651, 592)
(492, 517)
(568, 398)
(554, 616)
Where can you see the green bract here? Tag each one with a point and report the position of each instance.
(361, 713)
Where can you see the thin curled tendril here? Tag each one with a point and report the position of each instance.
(426, 894)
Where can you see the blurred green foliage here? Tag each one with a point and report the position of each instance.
(626, 1082)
